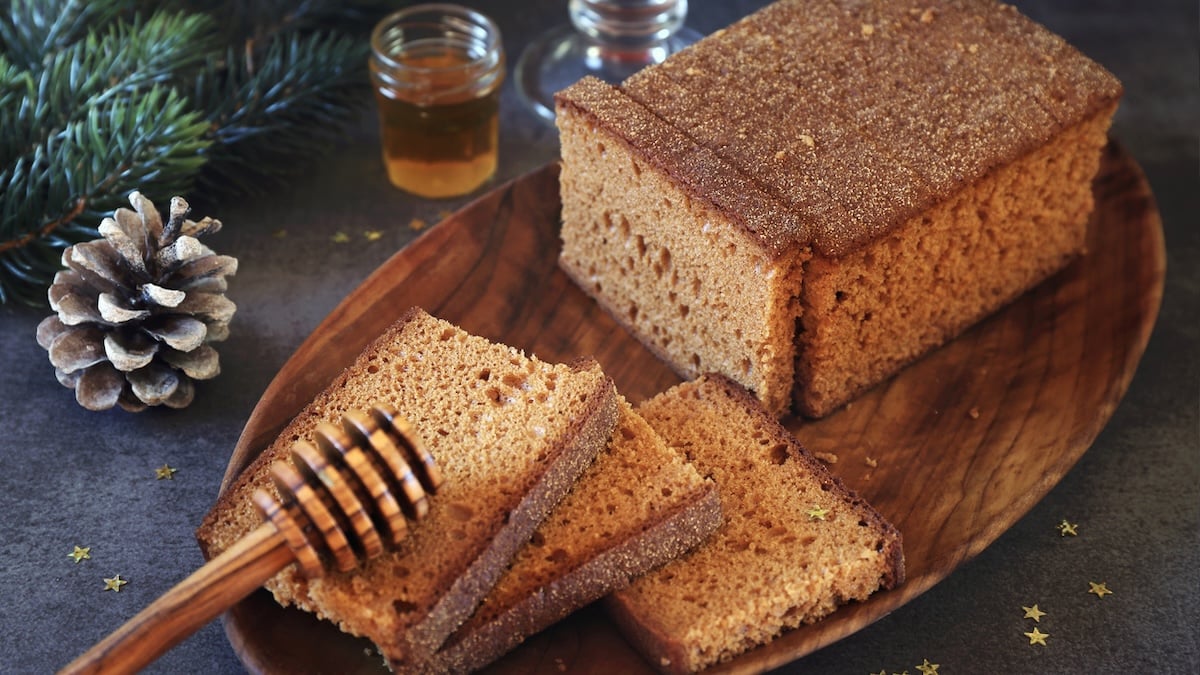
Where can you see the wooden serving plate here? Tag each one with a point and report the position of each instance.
(953, 450)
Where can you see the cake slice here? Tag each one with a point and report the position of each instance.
(511, 434)
(794, 545)
(638, 506)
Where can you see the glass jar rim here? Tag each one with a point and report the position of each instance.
(477, 27)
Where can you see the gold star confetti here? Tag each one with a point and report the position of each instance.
(817, 513)
(882, 672)
(114, 584)
(165, 472)
(1065, 528)
(373, 235)
(279, 234)
(1037, 637)
(80, 553)
(340, 238)
(416, 224)
(928, 668)
(1033, 613)
(1099, 589)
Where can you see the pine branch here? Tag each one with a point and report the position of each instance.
(72, 137)
(264, 20)
(101, 97)
(290, 100)
(31, 30)
(153, 141)
(103, 66)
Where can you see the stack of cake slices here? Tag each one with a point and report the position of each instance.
(558, 493)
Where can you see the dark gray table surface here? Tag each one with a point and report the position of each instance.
(72, 477)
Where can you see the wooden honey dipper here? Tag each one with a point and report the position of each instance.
(343, 499)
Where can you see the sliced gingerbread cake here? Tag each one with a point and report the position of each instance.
(795, 543)
(511, 435)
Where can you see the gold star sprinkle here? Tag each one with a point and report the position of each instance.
(165, 472)
(817, 513)
(1037, 637)
(1033, 613)
(114, 584)
(882, 672)
(416, 224)
(80, 553)
(1100, 590)
(1065, 528)
(279, 234)
(373, 235)
(928, 668)
(340, 238)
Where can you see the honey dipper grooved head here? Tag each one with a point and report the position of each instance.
(346, 497)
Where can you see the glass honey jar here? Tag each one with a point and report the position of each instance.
(437, 70)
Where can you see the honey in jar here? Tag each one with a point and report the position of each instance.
(437, 71)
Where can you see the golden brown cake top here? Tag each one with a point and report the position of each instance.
(856, 115)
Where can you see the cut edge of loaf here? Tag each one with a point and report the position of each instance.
(642, 618)
(568, 451)
(636, 257)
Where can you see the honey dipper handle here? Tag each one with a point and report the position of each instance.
(192, 603)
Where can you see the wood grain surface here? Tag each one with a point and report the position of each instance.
(953, 450)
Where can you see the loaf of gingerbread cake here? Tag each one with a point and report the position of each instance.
(511, 435)
(795, 543)
(824, 191)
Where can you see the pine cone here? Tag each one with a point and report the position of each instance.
(137, 309)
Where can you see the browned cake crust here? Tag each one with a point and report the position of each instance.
(924, 167)
(773, 564)
(638, 506)
(511, 435)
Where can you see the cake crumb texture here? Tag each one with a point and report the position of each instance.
(645, 232)
(511, 435)
(771, 565)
